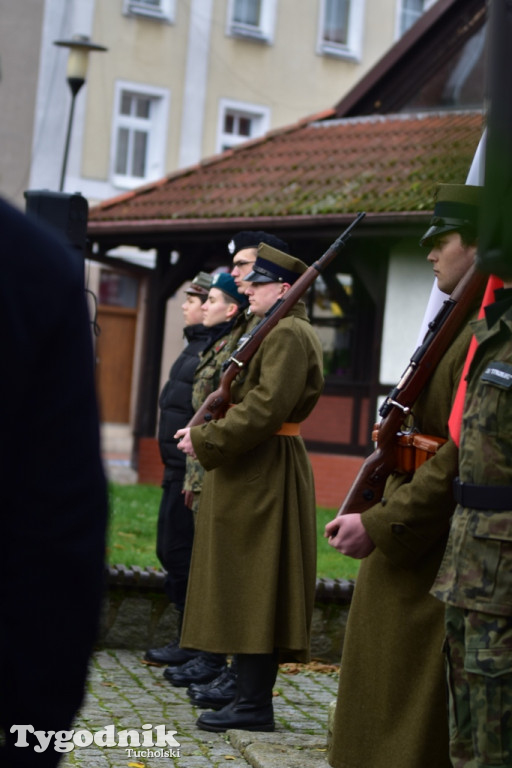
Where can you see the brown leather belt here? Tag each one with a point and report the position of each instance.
(289, 429)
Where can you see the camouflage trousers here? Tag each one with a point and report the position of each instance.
(479, 669)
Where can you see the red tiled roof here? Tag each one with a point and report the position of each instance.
(317, 166)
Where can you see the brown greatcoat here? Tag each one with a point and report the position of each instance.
(391, 710)
(252, 576)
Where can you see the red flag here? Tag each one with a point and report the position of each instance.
(455, 420)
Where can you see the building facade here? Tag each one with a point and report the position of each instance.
(180, 81)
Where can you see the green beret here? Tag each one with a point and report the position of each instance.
(226, 283)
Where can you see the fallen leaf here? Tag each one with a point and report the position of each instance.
(313, 666)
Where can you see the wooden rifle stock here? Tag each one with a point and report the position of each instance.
(368, 487)
(216, 404)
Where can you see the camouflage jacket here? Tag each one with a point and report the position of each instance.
(476, 571)
(206, 380)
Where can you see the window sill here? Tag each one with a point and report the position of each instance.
(129, 182)
(339, 52)
(248, 33)
(134, 9)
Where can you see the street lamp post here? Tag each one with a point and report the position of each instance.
(80, 46)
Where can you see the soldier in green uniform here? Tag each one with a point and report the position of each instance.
(475, 578)
(253, 571)
(391, 706)
(219, 312)
(243, 248)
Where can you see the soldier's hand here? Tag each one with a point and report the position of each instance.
(184, 442)
(347, 534)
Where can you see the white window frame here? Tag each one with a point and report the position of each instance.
(164, 11)
(354, 46)
(399, 11)
(259, 114)
(263, 32)
(157, 133)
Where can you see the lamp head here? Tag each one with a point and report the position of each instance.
(80, 46)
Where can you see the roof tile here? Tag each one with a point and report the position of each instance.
(384, 163)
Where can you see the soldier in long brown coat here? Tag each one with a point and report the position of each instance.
(252, 578)
(391, 710)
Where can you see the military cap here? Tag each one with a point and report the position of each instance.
(200, 285)
(456, 207)
(273, 266)
(225, 283)
(250, 239)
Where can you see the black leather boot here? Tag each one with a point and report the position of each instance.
(252, 708)
(203, 669)
(218, 693)
(170, 654)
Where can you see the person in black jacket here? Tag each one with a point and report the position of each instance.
(175, 531)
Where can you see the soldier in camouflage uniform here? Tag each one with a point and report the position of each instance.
(475, 578)
(243, 248)
(226, 303)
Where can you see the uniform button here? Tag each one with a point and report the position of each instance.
(398, 529)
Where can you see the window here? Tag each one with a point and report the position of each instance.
(332, 313)
(240, 122)
(155, 9)
(341, 28)
(139, 132)
(409, 12)
(251, 18)
(343, 315)
(118, 290)
(336, 21)
(247, 12)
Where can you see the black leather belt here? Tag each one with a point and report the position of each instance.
(491, 497)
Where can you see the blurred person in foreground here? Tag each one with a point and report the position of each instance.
(52, 488)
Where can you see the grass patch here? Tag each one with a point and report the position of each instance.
(132, 532)
(132, 526)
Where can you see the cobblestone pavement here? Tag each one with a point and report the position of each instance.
(128, 694)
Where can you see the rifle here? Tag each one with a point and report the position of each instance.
(368, 487)
(216, 404)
